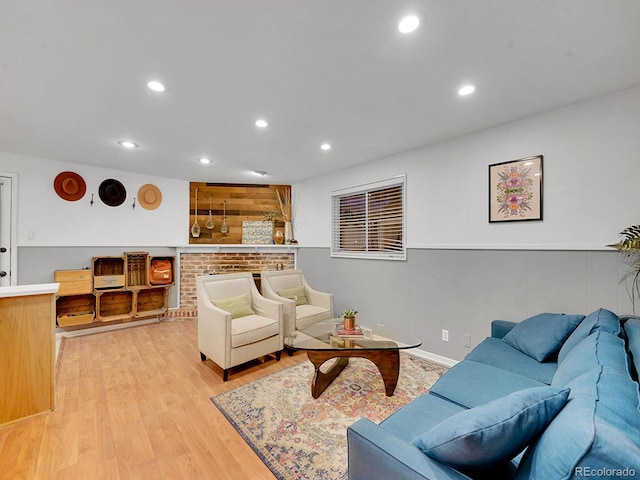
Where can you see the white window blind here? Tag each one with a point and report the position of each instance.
(369, 220)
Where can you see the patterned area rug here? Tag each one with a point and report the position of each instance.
(298, 437)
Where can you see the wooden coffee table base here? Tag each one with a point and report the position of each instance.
(387, 361)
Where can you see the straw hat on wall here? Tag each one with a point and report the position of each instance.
(149, 196)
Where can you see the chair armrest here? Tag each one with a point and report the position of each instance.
(214, 331)
(376, 454)
(499, 328)
(319, 299)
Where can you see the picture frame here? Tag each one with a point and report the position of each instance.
(515, 190)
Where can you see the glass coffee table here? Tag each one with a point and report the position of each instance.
(381, 345)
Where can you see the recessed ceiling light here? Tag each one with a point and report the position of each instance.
(128, 144)
(262, 173)
(156, 86)
(325, 146)
(204, 160)
(409, 23)
(261, 123)
(466, 90)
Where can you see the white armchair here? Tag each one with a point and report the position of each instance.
(301, 307)
(235, 323)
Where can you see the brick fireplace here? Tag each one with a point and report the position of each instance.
(202, 260)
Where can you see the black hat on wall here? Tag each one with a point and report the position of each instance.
(112, 192)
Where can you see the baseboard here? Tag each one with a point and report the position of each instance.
(105, 328)
(433, 357)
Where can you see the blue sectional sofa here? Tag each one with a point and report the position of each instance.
(552, 397)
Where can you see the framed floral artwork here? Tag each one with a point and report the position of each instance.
(515, 190)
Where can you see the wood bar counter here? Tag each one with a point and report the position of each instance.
(27, 350)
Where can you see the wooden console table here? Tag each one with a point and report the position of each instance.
(27, 350)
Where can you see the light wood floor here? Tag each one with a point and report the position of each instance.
(134, 404)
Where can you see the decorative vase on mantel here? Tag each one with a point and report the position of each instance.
(288, 232)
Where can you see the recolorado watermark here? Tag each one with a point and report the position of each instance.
(604, 472)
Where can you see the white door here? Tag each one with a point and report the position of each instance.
(5, 231)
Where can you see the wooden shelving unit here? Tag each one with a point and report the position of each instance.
(137, 271)
(75, 309)
(119, 291)
(114, 305)
(108, 272)
(152, 301)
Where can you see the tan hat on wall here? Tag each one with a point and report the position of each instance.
(69, 186)
(149, 196)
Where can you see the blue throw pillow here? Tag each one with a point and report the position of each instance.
(541, 336)
(601, 319)
(495, 432)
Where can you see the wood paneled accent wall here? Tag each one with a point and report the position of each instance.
(244, 202)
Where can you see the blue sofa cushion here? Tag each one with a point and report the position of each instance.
(541, 336)
(493, 351)
(419, 415)
(471, 383)
(495, 432)
(601, 319)
(598, 430)
(632, 330)
(599, 348)
(374, 453)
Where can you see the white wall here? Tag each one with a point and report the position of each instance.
(463, 272)
(57, 222)
(591, 171)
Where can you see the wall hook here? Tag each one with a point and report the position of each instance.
(134, 203)
(91, 202)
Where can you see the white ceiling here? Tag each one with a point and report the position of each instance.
(73, 74)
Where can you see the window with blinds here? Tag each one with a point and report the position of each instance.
(369, 220)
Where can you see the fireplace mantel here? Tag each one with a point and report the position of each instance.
(237, 248)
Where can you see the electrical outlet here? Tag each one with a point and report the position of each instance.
(467, 340)
(445, 335)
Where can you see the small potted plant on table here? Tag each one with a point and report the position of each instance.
(349, 318)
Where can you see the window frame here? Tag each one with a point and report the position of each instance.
(338, 228)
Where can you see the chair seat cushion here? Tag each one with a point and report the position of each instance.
(252, 328)
(309, 314)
